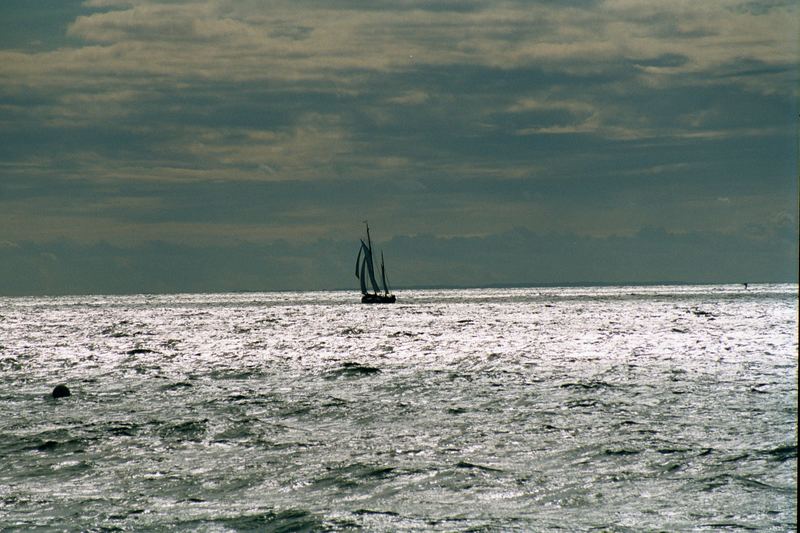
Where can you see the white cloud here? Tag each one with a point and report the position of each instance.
(400, 91)
(284, 40)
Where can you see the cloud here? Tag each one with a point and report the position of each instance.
(186, 23)
(307, 40)
(200, 121)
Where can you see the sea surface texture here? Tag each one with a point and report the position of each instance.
(667, 408)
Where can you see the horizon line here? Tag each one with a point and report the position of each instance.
(548, 285)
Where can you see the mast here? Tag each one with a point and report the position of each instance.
(369, 242)
(383, 277)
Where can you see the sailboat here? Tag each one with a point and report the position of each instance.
(365, 272)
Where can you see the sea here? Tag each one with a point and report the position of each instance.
(627, 408)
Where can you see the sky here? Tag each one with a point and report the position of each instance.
(238, 145)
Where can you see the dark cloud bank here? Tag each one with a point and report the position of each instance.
(518, 257)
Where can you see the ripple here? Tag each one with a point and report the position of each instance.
(512, 409)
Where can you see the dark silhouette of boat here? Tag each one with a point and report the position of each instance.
(365, 271)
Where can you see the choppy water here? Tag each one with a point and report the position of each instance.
(621, 409)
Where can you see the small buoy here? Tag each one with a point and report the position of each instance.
(61, 391)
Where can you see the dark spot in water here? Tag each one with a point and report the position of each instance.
(126, 514)
(289, 520)
(700, 312)
(294, 411)
(353, 370)
(782, 453)
(122, 430)
(754, 483)
(727, 526)
(595, 384)
(370, 511)
(353, 475)
(191, 430)
(380, 472)
(736, 458)
(581, 403)
(47, 446)
(177, 386)
(67, 446)
(137, 351)
(465, 464)
(357, 368)
(621, 452)
(335, 402)
(61, 391)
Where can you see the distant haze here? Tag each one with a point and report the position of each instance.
(168, 146)
(518, 257)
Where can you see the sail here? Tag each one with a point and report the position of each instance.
(362, 279)
(367, 269)
(358, 258)
(371, 269)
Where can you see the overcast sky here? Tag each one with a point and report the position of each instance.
(239, 144)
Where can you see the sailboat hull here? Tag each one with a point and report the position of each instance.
(377, 299)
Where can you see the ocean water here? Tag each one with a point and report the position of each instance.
(667, 408)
